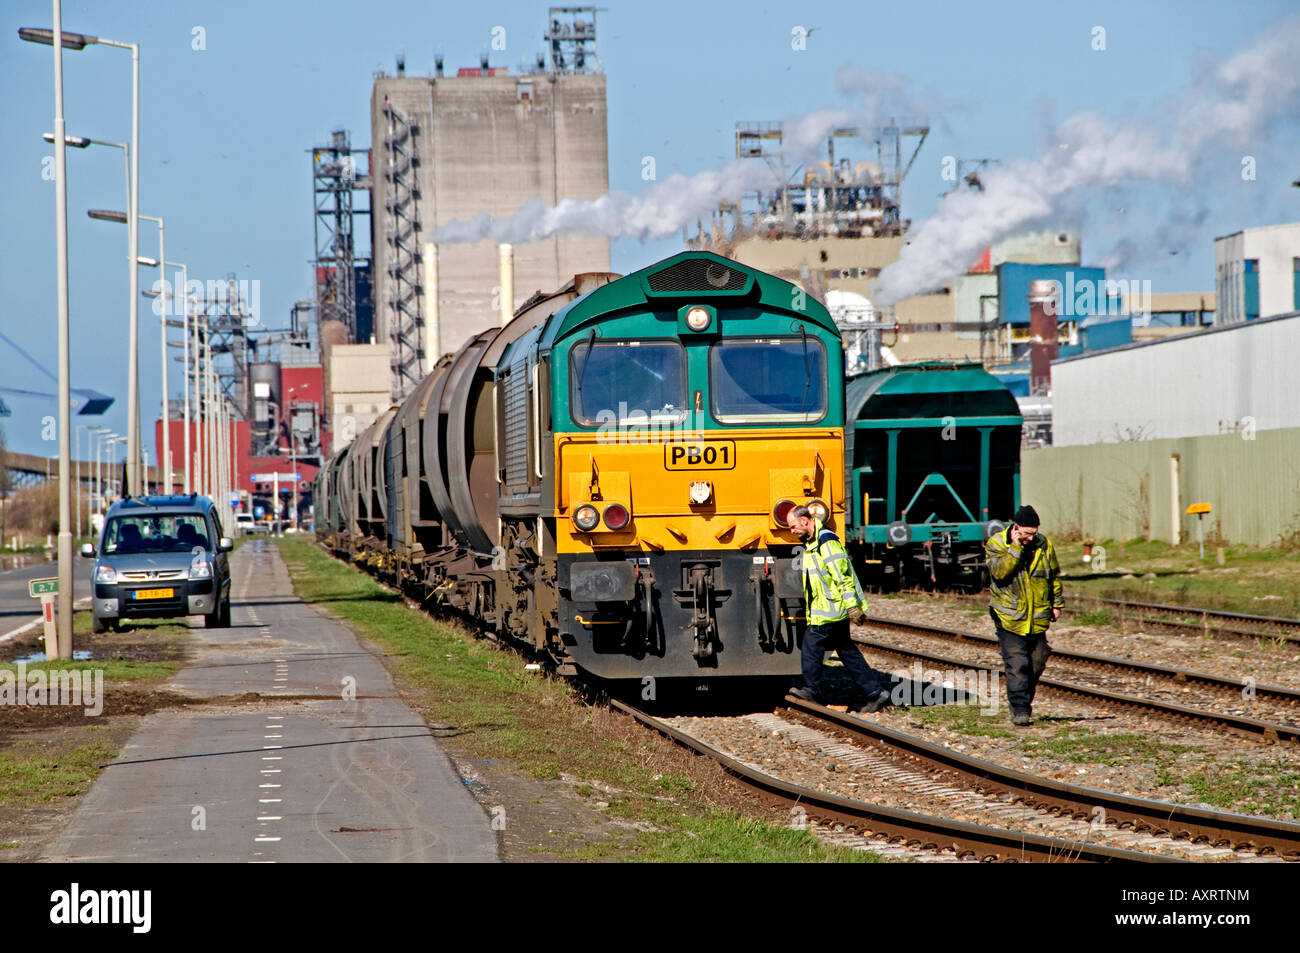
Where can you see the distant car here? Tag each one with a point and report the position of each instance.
(161, 557)
(245, 523)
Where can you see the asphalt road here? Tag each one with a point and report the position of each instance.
(301, 774)
(17, 608)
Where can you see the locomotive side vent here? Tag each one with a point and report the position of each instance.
(696, 275)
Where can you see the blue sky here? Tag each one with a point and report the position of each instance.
(225, 129)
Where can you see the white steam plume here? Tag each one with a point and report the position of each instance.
(665, 207)
(1236, 101)
(656, 213)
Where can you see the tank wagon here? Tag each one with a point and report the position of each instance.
(608, 478)
(932, 470)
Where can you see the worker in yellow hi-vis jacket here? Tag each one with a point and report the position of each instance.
(831, 595)
(1024, 599)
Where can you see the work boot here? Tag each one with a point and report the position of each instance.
(1021, 719)
(874, 703)
(798, 691)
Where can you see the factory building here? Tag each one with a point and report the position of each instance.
(1175, 312)
(1257, 273)
(1234, 379)
(359, 382)
(281, 431)
(976, 296)
(448, 148)
(833, 230)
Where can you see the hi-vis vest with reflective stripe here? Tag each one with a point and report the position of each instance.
(1023, 594)
(830, 589)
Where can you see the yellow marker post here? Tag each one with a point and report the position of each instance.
(1200, 509)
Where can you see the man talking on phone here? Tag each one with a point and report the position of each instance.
(1024, 599)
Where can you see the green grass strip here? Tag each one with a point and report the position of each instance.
(541, 728)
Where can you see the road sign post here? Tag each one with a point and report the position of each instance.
(47, 590)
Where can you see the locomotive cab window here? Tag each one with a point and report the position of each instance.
(639, 381)
(760, 380)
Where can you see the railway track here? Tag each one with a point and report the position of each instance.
(1144, 820)
(920, 831)
(1140, 818)
(1264, 731)
(1287, 697)
(1211, 620)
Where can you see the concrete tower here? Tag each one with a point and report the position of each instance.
(448, 148)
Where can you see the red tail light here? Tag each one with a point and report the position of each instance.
(616, 516)
(781, 512)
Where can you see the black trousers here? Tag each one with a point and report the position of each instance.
(820, 639)
(1023, 659)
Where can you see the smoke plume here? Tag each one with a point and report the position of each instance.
(666, 207)
(1232, 104)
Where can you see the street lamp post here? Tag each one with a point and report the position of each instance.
(83, 142)
(162, 263)
(99, 470)
(57, 38)
(185, 306)
(117, 488)
(63, 602)
(200, 412)
(165, 461)
(209, 414)
(89, 428)
(185, 376)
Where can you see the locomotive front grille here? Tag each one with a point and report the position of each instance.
(697, 275)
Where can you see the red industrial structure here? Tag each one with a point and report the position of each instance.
(282, 434)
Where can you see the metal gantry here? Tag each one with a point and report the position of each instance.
(572, 40)
(228, 320)
(833, 197)
(335, 177)
(403, 303)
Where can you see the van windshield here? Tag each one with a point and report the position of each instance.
(156, 533)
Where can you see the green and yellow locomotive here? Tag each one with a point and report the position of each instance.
(609, 476)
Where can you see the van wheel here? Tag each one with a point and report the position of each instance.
(220, 619)
(97, 625)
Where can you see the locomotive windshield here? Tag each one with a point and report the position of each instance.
(627, 380)
(768, 379)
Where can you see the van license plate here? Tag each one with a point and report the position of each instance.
(154, 593)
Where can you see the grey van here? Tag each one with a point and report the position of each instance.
(161, 557)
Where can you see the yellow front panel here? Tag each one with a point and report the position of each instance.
(748, 472)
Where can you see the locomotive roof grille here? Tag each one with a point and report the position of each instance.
(698, 276)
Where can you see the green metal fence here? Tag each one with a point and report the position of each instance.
(1142, 489)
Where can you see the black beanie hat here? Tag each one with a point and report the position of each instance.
(1027, 516)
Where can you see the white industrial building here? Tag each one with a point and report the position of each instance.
(1234, 379)
(1257, 273)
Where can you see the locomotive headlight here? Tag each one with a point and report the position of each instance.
(586, 517)
(818, 510)
(616, 516)
(781, 512)
(701, 492)
(697, 319)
